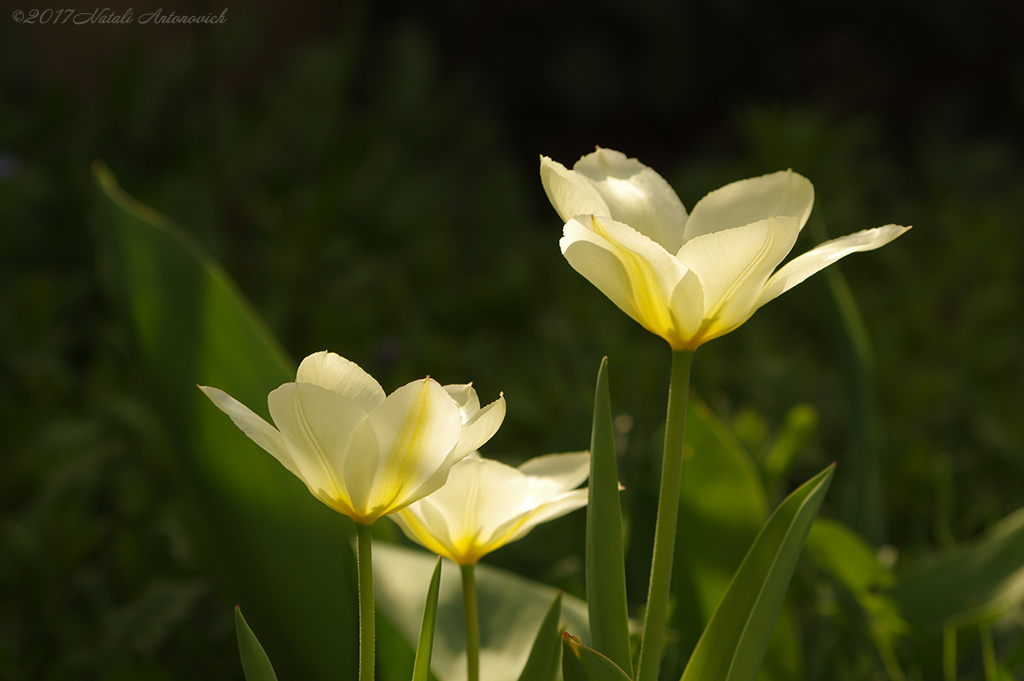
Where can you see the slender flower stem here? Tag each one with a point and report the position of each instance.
(668, 514)
(364, 563)
(472, 623)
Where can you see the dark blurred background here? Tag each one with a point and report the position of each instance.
(367, 172)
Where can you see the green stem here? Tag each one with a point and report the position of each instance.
(988, 651)
(949, 652)
(472, 623)
(668, 515)
(364, 563)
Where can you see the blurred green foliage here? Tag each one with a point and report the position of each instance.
(373, 191)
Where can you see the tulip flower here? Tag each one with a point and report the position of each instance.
(360, 452)
(486, 504)
(688, 278)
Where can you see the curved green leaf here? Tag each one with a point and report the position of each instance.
(421, 669)
(733, 645)
(968, 583)
(546, 654)
(605, 567)
(510, 609)
(273, 545)
(255, 663)
(580, 663)
(722, 507)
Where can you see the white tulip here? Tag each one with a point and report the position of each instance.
(360, 452)
(486, 504)
(688, 278)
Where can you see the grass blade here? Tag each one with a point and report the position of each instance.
(546, 653)
(733, 645)
(255, 663)
(421, 669)
(580, 663)
(605, 567)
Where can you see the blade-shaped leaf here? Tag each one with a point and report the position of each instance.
(733, 645)
(546, 653)
(605, 567)
(276, 548)
(255, 663)
(722, 507)
(510, 608)
(580, 663)
(421, 670)
(969, 582)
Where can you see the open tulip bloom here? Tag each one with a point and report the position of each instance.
(486, 504)
(360, 452)
(688, 278)
(364, 453)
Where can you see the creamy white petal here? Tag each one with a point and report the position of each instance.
(635, 272)
(250, 423)
(359, 472)
(417, 427)
(316, 425)
(569, 192)
(784, 193)
(636, 196)
(342, 376)
(816, 259)
(480, 428)
(734, 264)
(465, 396)
(687, 308)
(556, 508)
(556, 472)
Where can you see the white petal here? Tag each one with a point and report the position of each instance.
(636, 196)
(687, 306)
(417, 427)
(559, 472)
(317, 426)
(566, 503)
(466, 398)
(733, 266)
(636, 273)
(480, 428)
(338, 374)
(359, 471)
(258, 430)
(803, 266)
(784, 193)
(569, 192)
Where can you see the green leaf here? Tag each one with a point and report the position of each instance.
(580, 663)
(421, 670)
(722, 507)
(510, 609)
(844, 554)
(968, 583)
(733, 645)
(255, 663)
(274, 546)
(546, 653)
(605, 566)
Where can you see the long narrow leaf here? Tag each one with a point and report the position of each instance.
(255, 663)
(605, 567)
(421, 670)
(273, 545)
(733, 645)
(546, 653)
(510, 608)
(580, 663)
(969, 582)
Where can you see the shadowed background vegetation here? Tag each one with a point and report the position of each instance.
(367, 174)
